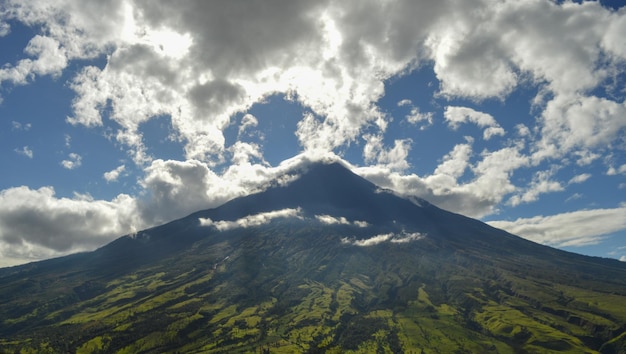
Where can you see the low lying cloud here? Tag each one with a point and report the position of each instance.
(331, 220)
(378, 239)
(35, 223)
(578, 228)
(252, 220)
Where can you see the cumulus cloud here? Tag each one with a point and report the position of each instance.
(415, 116)
(114, 174)
(394, 157)
(74, 161)
(50, 59)
(193, 63)
(248, 121)
(198, 64)
(457, 115)
(579, 178)
(542, 183)
(26, 151)
(614, 171)
(36, 224)
(177, 188)
(252, 220)
(578, 228)
(477, 197)
(580, 123)
(36, 221)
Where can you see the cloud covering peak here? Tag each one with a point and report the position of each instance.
(394, 88)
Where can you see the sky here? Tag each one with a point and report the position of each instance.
(120, 115)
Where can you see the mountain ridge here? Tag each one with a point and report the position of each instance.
(325, 262)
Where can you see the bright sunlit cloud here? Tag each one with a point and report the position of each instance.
(501, 110)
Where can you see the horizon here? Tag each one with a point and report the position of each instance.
(117, 117)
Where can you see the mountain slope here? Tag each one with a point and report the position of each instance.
(325, 263)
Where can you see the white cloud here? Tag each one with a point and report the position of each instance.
(187, 62)
(331, 220)
(26, 151)
(415, 116)
(244, 153)
(394, 158)
(74, 161)
(574, 196)
(493, 131)
(622, 258)
(5, 29)
(586, 157)
(579, 123)
(407, 237)
(476, 198)
(579, 178)
(614, 171)
(248, 121)
(252, 220)
(456, 115)
(378, 239)
(476, 54)
(50, 60)
(370, 241)
(194, 64)
(578, 228)
(542, 183)
(456, 162)
(35, 222)
(359, 223)
(177, 188)
(114, 174)
(21, 126)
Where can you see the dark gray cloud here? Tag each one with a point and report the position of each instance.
(239, 37)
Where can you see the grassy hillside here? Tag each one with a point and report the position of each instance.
(294, 286)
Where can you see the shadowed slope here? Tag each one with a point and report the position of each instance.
(415, 277)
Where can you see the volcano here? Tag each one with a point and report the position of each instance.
(322, 260)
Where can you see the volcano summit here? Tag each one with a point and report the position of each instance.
(320, 261)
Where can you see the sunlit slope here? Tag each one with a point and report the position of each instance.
(407, 278)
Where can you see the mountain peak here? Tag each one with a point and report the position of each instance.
(320, 188)
(412, 273)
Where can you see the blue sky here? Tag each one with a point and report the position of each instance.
(117, 116)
